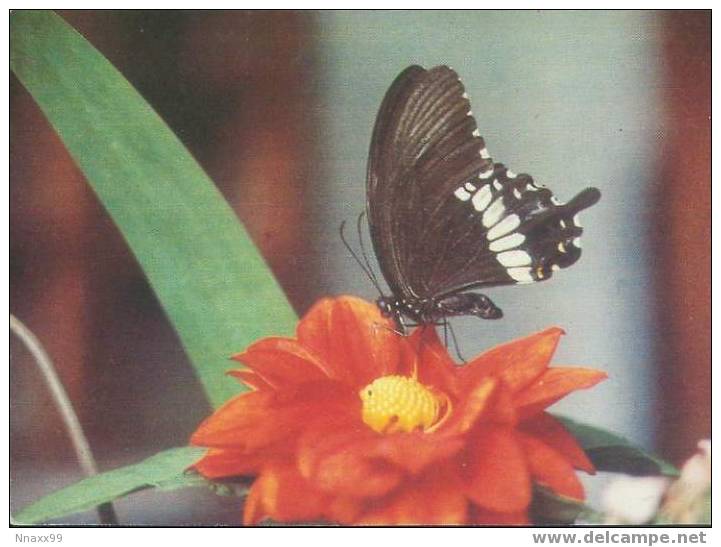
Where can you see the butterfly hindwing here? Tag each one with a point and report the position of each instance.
(521, 233)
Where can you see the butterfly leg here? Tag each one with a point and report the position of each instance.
(447, 327)
(455, 343)
(378, 326)
(401, 324)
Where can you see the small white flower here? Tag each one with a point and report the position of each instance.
(685, 500)
(633, 500)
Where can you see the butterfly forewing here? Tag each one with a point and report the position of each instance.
(422, 143)
(443, 217)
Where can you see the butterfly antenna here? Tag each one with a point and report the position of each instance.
(359, 228)
(365, 269)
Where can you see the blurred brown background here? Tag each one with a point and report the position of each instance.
(684, 236)
(240, 89)
(73, 280)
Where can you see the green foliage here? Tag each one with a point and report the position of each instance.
(611, 452)
(549, 508)
(216, 289)
(166, 470)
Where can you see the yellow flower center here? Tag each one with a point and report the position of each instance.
(398, 403)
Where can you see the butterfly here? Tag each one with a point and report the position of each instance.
(444, 218)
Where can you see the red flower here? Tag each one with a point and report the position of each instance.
(352, 423)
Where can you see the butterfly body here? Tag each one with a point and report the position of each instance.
(444, 218)
(434, 311)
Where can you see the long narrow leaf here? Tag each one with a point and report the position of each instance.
(214, 286)
(165, 470)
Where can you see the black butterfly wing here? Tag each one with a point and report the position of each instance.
(504, 229)
(422, 144)
(443, 216)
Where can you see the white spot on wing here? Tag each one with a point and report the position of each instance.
(511, 259)
(508, 242)
(516, 193)
(520, 275)
(510, 174)
(484, 154)
(494, 212)
(486, 174)
(577, 220)
(577, 242)
(462, 194)
(476, 133)
(482, 198)
(497, 185)
(508, 224)
(562, 223)
(470, 187)
(555, 267)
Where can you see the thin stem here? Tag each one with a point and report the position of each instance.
(62, 401)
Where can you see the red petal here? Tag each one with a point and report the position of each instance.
(241, 422)
(343, 509)
(282, 362)
(554, 384)
(259, 418)
(472, 407)
(427, 359)
(219, 462)
(281, 494)
(351, 474)
(502, 410)
(518, 363)
(254, 506)
(435, 497)
(549, 430)
(478, 515)
(551, 469)
(250, 379)
(351, 338)
(334, 461)
(498, 476)
(415, 452)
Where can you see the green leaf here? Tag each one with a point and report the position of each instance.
(216, 289)
(165, 470)
(549, 508)
(611, 452)
(190, 479)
